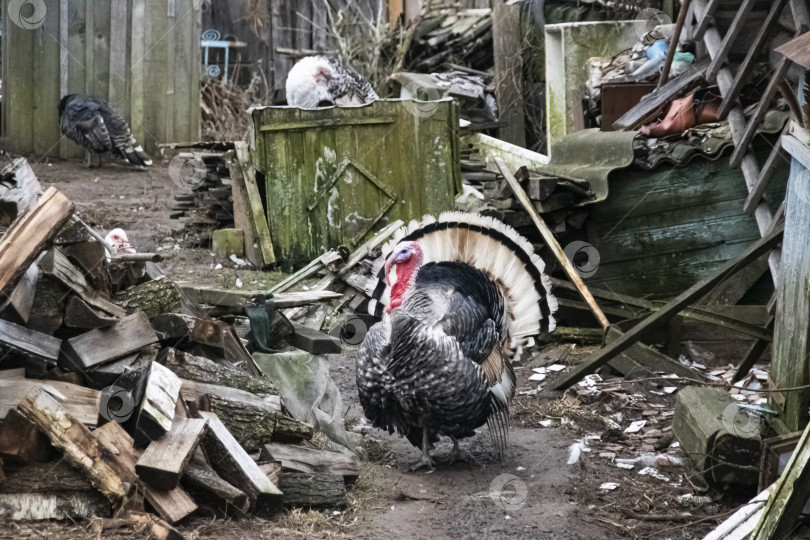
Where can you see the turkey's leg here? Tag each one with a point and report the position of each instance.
(425, 461)
(88, 158)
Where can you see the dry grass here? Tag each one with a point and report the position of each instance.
(224, 106)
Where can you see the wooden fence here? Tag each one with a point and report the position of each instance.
(141, 55)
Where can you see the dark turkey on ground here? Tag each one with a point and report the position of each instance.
(459, 298)
(95, 125)
(318, 81)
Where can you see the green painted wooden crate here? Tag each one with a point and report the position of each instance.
(335, 176)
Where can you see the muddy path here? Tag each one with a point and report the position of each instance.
(532, 493)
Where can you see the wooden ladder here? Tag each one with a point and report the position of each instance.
(743, 132)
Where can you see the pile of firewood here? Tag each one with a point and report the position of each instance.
(446, 34)
(120, 394)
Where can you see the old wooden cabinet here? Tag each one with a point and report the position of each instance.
(334, 176)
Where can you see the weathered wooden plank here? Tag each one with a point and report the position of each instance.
(704, 21)
(163, 461)
(231, 461)
(312, 341)
(25, 238)
(245, 181)
(80, 402)
(731, 36)
(78, 444)
(105, 344)
(671, 308)
(791, 333)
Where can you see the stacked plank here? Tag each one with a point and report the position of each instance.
(446, 34)
(119, 395)
(205, 202)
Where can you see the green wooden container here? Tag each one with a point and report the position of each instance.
(335, 176)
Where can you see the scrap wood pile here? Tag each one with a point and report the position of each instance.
(119, 393)
(205, 202)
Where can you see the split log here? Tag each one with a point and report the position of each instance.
(172, 329)
(80, 447)
(95, 347)
(21, 442)
(158, 405)
(231, 461)
(56, 264)
(21, 299)
(203, 370)
(91, 258)
(141, 524)
(46, 478)
(163, 461)
(26, 237)
(199, 475)
(62, 505)
(153, 298)
(311, 460)
(312, 489)
(78, 314)
(192, 391)
(172, 505)
(81, 403)
(30, 342)
(47, 312)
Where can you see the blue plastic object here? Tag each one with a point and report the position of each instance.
(657, 50)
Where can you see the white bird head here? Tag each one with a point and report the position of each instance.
(308, 83)
(118, 241)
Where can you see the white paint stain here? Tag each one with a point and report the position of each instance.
(330, 207)
(325, 167)
(354, 217)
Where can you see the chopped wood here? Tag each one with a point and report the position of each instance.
(78, 314)
(153, 297)
(21, 300)
(81, 403)
(312, 341)
(172, 329)
(163, 461)
(311, 460)
(30, 342)
(46, 478)
(231, 461)
(26, 237)
(56, 264)
(47, 313)
(312, 489)
(199, 475)
(80, 447)
(159, 402)
(95, 347)
(203, 370)
(62, 505)
(12, 374)
(194, 390)
(172, 505)
(91, 258)
(22, 442)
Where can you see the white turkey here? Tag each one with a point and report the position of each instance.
(318, 81)
(459, 297)
(94, 124)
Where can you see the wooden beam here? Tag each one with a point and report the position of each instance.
(312, 341)
(731, 36)
(673, 42)
(328, 258)
(27, 236)
(754, 353)
(30, 342)
(707, 18)
(508, 50)
(551, 242)
(741, 146)
(673, 307)
(730, 98)
(158, 405)
(257, 231)
(105, 344)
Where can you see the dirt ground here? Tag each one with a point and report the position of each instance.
(541, 496)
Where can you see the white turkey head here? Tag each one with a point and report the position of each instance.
(118, 241)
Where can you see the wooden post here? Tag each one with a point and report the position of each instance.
(508, 72)
(673, 42)
(552, 243)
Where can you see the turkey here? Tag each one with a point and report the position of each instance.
(459, 297)
(318, 81)
(92, 123)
